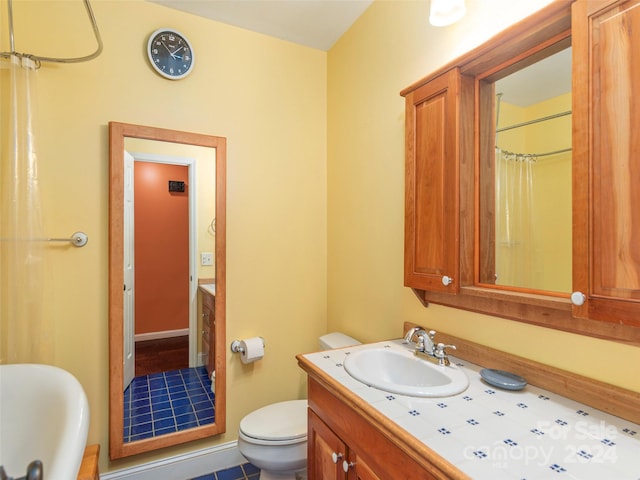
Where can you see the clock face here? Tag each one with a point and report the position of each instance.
(170, 53)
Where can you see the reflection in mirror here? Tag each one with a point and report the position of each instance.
(167, 212)
(526, 216)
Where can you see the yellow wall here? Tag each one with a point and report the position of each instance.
(268, 97)
(390, 47)
(315, 185)
(552, 194)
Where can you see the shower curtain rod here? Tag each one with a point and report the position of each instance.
(38, 59)
(536, 155)
(537, 120)
(78, 239)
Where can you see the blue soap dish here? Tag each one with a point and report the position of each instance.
(502, 379)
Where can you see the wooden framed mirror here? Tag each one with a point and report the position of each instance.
(143, 416)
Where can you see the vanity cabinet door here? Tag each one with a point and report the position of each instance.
(360, 470)
(326, 452)
(606, 49)
(431, 184)
(208, 320)
(362, 451)
(330, 458)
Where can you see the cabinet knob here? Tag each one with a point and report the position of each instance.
(446, 280)
(336, 456)
(347, 465)
(578, 298)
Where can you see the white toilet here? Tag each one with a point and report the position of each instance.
(274, 438)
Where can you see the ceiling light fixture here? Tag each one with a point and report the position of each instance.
(446, 12)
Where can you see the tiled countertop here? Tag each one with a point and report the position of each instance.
(487, 432)
(210, 288)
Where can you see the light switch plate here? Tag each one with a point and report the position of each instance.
(206, 258)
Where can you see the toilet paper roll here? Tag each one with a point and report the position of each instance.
(252, 349)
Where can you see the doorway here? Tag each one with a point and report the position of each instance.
(161, 237)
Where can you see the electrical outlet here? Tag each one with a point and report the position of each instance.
(206, 258)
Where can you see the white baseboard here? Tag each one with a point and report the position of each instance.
(202, 358)
(183, 467)
(141, 337)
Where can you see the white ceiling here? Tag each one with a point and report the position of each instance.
(543, 80)
(314, 23)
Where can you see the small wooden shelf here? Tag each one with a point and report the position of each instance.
(89, 466)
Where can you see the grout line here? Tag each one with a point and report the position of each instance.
(141, 391)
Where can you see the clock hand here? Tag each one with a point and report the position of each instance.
(170, 52)
(167, 48)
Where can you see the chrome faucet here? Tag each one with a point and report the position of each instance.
(426, 346)
(410, 334)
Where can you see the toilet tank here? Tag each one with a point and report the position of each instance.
(336, 340)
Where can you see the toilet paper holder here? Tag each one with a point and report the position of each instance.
(236, 346)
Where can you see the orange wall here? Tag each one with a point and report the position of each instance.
(162, 248)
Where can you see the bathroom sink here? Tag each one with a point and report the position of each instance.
(396, 369)
(44, 415)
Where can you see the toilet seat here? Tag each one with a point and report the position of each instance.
(282, 423)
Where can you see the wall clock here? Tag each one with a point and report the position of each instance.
(170, 53)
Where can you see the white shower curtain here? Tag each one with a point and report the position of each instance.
(24, 333)
(514, 213)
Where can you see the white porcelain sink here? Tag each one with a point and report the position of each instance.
(44, 416)
(396, 369)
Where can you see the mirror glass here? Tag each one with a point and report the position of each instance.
(525, 174)
(167, 252)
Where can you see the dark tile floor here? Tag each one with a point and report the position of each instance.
(241, 472)
(167, 402)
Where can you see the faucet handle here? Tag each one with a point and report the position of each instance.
(440, 350)
(441, 354)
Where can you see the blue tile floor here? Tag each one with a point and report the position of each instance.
(167, 402)
(241, 472)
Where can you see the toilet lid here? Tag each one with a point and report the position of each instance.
(278, 421)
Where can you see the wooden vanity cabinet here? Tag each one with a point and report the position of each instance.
(341, 437)
(331, 456)
(326, 450)
(208, 320)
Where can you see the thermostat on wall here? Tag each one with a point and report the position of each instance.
(176, 186)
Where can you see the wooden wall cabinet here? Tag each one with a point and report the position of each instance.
(435, 141)
(606, 39)
(445, 138)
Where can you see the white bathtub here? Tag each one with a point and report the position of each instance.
(44, 415)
